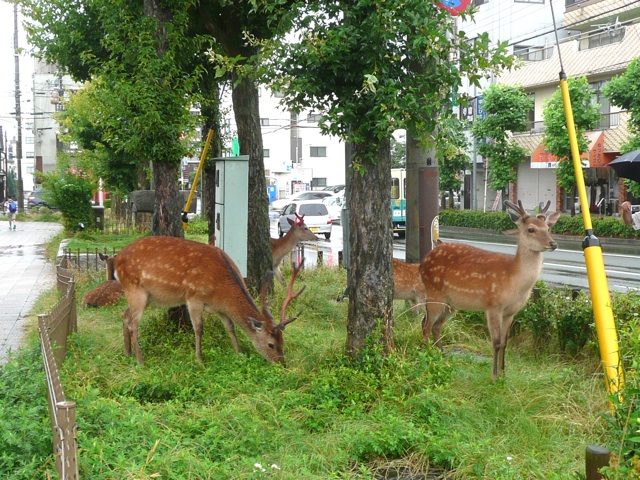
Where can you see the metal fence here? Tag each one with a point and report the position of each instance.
(54, 329)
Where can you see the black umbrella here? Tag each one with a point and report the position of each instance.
(628, 165)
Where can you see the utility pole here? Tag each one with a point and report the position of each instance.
(20, 199)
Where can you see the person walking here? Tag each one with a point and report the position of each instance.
(11, 213)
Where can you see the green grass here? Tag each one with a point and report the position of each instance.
(322, 417)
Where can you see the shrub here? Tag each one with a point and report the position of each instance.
(71, 192)
(566, 225)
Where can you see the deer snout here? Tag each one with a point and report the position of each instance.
(553, 245)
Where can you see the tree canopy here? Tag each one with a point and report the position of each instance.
(622, 90)
(507, 108)
(586, 116)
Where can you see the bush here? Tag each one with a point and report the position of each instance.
(566, 225)
(71, 192)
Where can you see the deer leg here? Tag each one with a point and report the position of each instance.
(195, 313)
(446, 314)
(494, 322)
(504, 336)
(126, 320)
(231, 330)
(137, 304)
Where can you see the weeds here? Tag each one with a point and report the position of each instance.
(325, 416)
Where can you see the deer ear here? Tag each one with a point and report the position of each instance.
(291, 222)
(255, 325)
(514, 216)
(552, 219)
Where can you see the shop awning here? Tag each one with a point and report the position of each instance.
(594, 158)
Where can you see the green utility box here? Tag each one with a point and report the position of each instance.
(232, 208)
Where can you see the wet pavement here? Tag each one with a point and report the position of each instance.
(25, 273)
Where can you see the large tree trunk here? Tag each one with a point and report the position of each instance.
(168, 201)
(370, 279)
(247, 113)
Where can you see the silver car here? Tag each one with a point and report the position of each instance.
(315, 213)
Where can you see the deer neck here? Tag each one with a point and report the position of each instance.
(528, 264)
(281, 246)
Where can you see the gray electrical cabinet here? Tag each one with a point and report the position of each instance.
(232, 208)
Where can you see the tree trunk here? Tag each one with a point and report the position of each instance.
(369, 279)
(247, 113)
(168, 201)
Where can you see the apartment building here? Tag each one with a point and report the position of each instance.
(597, 39)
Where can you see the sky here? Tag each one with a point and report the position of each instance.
(8, 73)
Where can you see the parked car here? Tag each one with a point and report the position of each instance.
(38, 199)
(278, 205)
(316, 217)
(334, 205)
(335, 189)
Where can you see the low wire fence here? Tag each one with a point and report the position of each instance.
(312, 253)
(54, 329)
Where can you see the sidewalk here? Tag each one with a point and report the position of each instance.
(25, 274)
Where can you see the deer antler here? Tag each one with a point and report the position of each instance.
(519, 209)
(542, 211)
(284, 321)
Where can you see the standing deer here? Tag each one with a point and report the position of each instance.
(108, 292)
(170, 271)
(462, 277)
(280, 247)
(408, 285)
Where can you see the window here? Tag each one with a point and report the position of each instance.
(278, 94)
(313, 209)
(264, 122)
(313, 117)
(29, 140)
(600, 39)
(318, 152)
(266, 153)
(31, 154)
(395, 188)
(318, 182)
(532, 53)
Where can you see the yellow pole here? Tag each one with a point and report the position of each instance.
(196, 178)
(605, 326)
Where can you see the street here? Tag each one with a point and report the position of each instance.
(563, 266)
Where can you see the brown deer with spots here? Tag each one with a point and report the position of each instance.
(462, 277)
(108, 292)
(170, 271)
(280, 247)
(408, 285)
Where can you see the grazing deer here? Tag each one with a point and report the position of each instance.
(408, 285)
(280, 247)
(170, 271)
(108, 292)
(462, 277)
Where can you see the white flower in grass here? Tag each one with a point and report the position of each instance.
(509, 458)
(275, 467)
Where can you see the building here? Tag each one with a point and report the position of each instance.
(597, 39)
(50, 86)
(296, 155)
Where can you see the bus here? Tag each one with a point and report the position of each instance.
(399, 201)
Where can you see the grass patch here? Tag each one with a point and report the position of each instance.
(414, 411)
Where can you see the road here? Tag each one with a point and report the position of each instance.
(561, 267)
